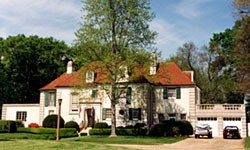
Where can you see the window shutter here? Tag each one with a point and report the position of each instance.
(54, 99)
(139, 113)
(46, 100)
(165, 93)
(178, 93)
(130, 114)
(94, 94)
(129, 95)
(104, 114)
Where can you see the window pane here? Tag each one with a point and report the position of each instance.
(74, 102)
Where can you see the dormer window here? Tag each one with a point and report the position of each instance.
(122, 74)
(90, 75)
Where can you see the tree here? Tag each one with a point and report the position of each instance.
(115, 32)
(242, 52)
(27, 64)
(242, 7)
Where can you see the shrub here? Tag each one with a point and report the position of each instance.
(72, 124)
(101, 125)
(7, 126)
(156, 130)
(50, 133)
(185, 127)
(68, 132)
(100, 131)
(172, 128)
(33, 125)
(140, 129)
(51, 121)
(19, 123)
(124, 131)
(129, 127)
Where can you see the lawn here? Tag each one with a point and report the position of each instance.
(25, 141)
(127, 140)
(247, 143)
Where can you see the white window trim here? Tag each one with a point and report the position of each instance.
(90, 75)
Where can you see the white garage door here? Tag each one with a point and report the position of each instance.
(212, 121)
(232, 121)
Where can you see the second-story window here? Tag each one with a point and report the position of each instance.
(74, 102)
(50, 98)
(90, 76)
(171, 93)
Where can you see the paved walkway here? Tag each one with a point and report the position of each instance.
(194, 144)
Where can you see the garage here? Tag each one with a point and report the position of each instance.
(212, 121)
(233, 121)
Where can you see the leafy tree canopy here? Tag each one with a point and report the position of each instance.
(27, 64)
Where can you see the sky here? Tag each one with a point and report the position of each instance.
(176, 21)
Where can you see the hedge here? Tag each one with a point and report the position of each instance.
(7, 126)
(64, 132)
(171, 128)
(107, 131)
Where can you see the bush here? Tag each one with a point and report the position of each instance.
(51, 122)
(125, 131)
(50, 133)
(72, 124)
(156, 130)
(101, 125)
(140, 129)
(7, 126)
(185, 127)
(172, 128)
(33, 125)
(107, 131)
(100, 131)
(19, 123)
(129, 127)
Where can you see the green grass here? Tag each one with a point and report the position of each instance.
(52, 145)
(27, 141)
(127, 140)
(247, 143)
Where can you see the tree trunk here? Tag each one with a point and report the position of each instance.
(113, 118)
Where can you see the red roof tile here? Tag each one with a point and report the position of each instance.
(167, 74)
(171, 74)
(64, 80)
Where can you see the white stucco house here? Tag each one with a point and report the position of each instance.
(160, 92)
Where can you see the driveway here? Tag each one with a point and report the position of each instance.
(195, 144)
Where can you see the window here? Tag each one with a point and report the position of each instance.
(134, 113)
(171, 93)
(50, 98)
(90, 77)
(74, 102)
(129, 95)
(106, 113)
(172, 116)
(120, 92)
(183, 116)
(21, 115)
(94, 94)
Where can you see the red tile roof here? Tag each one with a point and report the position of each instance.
(171, 74)
(168, 74)
(64, 80)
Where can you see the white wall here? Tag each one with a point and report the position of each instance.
(173, 105)
(31, 109)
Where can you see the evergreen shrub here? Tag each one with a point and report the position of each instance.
(51, 121)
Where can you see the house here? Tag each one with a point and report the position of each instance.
(158, 92)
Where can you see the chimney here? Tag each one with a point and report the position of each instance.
(153, 64)
(69, 67)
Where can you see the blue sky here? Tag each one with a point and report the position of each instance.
(177, 21)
